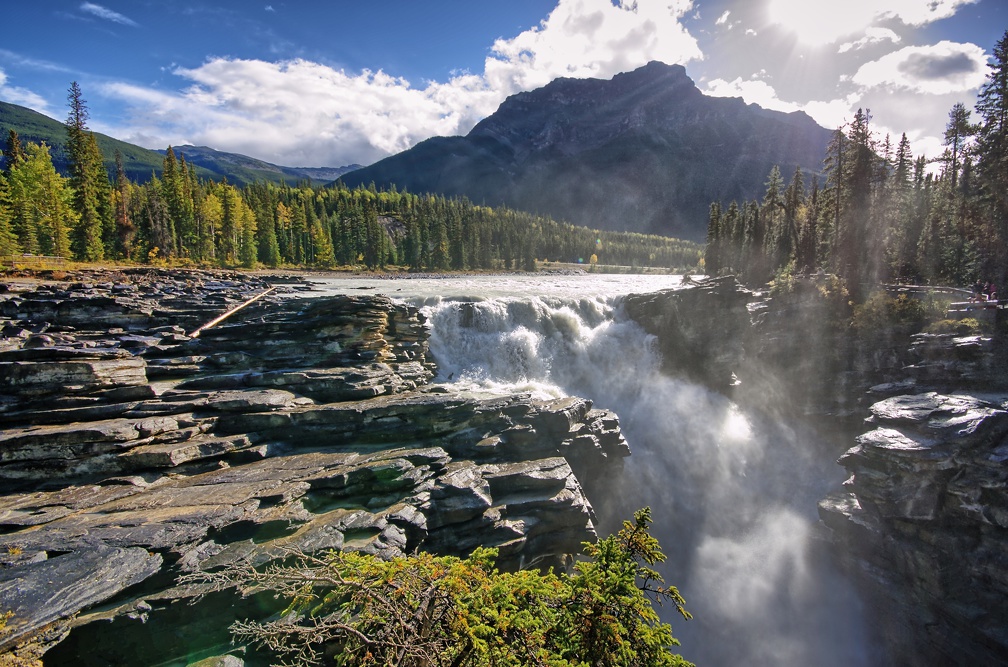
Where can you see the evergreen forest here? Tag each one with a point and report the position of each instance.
(180, 218)
(882, 214)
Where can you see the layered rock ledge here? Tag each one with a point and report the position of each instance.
(922, 520)
(924, 516)
(133, 451)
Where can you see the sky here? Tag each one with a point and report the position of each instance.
(339, 82)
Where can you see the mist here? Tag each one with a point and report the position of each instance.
(733, 490)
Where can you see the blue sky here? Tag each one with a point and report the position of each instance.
(329, 83)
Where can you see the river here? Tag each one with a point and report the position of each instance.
(733, 491)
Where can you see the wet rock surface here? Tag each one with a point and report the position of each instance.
(924, 516)
(922, 521)
(700, 330)
(134, 449)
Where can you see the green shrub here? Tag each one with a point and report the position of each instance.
(881, 313)
(443, 611)
(967, 326)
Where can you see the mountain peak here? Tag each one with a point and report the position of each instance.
(643, 151)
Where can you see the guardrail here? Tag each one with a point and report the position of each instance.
(914, 290)
(28, 261)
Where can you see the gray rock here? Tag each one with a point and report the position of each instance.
(41, 593)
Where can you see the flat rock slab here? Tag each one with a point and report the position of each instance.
(43, 592)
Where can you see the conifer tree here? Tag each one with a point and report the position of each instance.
(8, 240)
(713, 254)
(125, 229)
(90, 194)
(992, 153)
(14, 152)
(41, 204)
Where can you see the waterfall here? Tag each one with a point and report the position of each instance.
(733, 492)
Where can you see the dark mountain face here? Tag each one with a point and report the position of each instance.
(644, 151)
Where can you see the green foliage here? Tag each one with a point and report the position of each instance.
(967, 326)
(881, 312)
(39, 205)
(430, 610)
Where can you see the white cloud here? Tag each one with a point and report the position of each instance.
(872, 35)
(723, 18)
(302, 113)
(753, 91)
(828, 22)
(106, 14)
(832, 113)
(22, 96)
(945, 67)
(592, 38)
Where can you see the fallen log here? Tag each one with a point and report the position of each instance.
(217, 320)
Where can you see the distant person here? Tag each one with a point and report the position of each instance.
(991, 292)
(978, 289)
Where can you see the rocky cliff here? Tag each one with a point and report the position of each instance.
(922, 521)
(134, 449)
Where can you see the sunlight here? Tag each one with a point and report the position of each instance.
(820, 23)
(736, 426)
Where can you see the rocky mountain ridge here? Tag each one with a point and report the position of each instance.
(645, 151)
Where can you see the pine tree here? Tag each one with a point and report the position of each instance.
(125, 230)
(787, 240)
(958, 131)
(992, 151)
(14, 152)
(713, 254)
(269, 247)
(86, 175)
(8, 240)
(41, 204)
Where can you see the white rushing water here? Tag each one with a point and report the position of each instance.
(733, 493)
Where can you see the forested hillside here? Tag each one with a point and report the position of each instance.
(882, 214)
(180, 216)
(140, 163)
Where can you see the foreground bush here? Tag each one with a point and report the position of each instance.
(349, 608)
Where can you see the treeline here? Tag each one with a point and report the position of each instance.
(177, 217)
(882, 214)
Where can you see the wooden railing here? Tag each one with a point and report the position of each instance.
(32, 261)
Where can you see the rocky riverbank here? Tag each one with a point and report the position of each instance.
(135, 448)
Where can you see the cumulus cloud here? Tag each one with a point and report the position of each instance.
(945, 67)
(22, 96)
(106, 14)
(830, 113)
(753, 91)
(828, 22)
(872, 35)
(592, 38)
(303, 113)
(723, 18)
